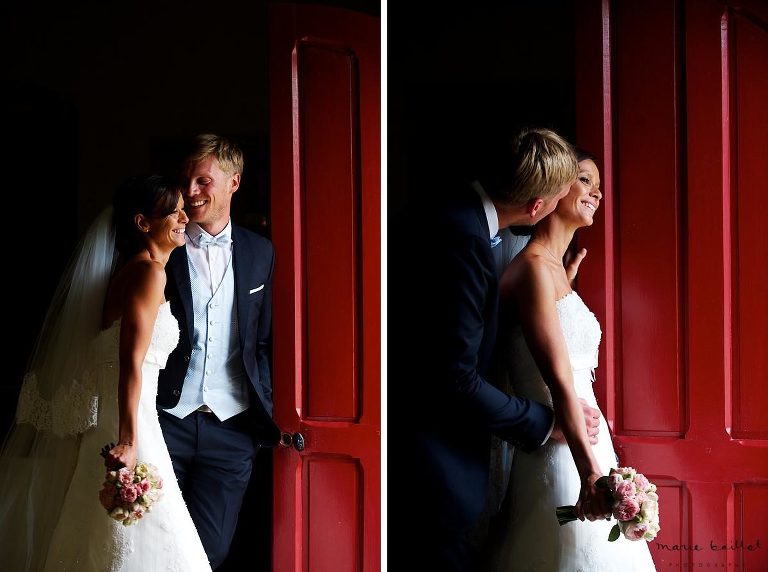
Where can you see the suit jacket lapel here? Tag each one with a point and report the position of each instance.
(178, 267)
(240, 267)
(482, 219)
(485, 231)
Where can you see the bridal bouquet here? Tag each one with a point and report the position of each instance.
(635, 505)
(128, 495)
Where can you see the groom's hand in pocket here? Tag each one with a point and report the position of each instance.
(591, 421)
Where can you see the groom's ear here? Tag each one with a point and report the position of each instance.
(534, 206)
(235, 178)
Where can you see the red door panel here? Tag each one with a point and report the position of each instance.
(328, 132)
(747, 48)
(648, 271)
(671, 95)
(325, 213)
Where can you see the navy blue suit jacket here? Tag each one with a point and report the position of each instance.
(253, 261)
(443, 321)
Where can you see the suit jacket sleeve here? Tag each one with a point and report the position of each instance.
(465, 332)
(264, 335)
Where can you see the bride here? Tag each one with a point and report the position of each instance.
(550, 351)
(93, 380)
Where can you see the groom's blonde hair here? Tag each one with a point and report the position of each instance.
(224, 150)
(537, 165)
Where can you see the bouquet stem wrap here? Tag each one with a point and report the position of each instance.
(634, 501)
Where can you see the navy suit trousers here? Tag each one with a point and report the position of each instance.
(213, 461)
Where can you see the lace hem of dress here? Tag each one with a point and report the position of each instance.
(72, 410)
(121, 547)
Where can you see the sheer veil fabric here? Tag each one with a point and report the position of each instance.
(57, 403)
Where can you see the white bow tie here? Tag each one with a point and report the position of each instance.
(207, 240)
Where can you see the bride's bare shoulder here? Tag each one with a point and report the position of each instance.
(528, 266)
(137, 275)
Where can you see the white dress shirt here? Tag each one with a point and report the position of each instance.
(211, 261)
(489, 208)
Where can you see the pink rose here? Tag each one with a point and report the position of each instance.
(627, 509)
(641, 482)
(634, 530)
(625, 490)
(641, 497)
(143, 486)
(128, 493)
(125, 476)
(138, 511)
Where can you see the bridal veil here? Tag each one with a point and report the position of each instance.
(56, 405)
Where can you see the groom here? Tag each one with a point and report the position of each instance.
(444, 334)
(215, 394)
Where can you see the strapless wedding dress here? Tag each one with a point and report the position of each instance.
(85, 538)
(532, 539)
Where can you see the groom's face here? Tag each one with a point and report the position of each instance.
(549, 205)
(208, 193)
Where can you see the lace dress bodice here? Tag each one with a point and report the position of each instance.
(582, 337)
(581, 330)
(165, 337)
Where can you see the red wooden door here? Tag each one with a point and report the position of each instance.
(325, 213)
(672, 95)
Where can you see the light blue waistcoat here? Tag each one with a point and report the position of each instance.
(215, 376)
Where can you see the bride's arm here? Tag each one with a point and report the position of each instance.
(534, 297)
(143, 296)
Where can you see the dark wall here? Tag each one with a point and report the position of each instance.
(92, 93)
(136, 73)
(460, 81)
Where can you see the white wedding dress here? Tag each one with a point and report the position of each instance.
(532, 539)
(85, 538)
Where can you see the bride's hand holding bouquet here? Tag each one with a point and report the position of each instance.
(121, 455)
(634, 502)
(593, 503)
(127, 494)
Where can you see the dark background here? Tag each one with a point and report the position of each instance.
(460, 83)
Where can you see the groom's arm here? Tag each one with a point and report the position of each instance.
(466, 274)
